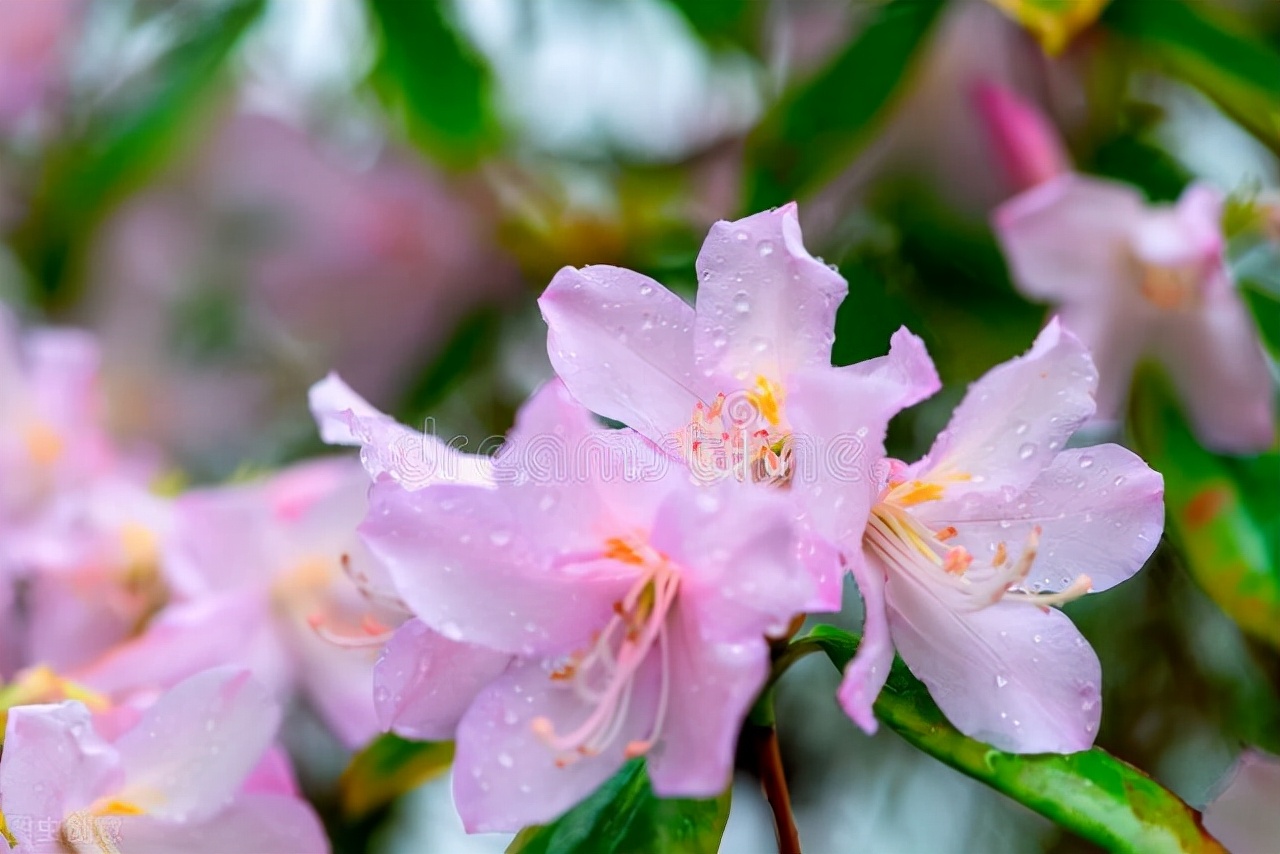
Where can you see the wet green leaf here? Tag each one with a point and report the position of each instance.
(817, 129)
(387, 768)
(1091, 793)
(624, 816)
(1224, 513)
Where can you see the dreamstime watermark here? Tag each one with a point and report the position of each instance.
(729, 440)
(80, 830)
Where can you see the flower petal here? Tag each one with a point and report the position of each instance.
(254, 822)
(907, 365)
(411, 458)
(1217, 365)
(54, 764)
(194, 747)
(424, 682)
(1014, 420)
(765, 306)
(1068, 238)
(713, 684)
(1019, 678)
(839, 419)
(1100, 511)
(740, 571)
(866, 674)
(1116, 331)
(465, 566)
(623, 344)
(505, 777)
(1243, 816)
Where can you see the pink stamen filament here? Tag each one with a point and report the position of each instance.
(918, 552)
(372, 633)
(643, 626)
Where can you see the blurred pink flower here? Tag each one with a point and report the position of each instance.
(264, 574)
(966, 550)
(612, 615)
(33, 47)
(1133, 279)
(1027, 145)
(79, 526)
(1243, 816)
(193, 773)
(223, 292)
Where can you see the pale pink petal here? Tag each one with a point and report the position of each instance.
(272, 824)
(423, 683)
(1117, 331)
(193, 749)
(1067, 239)
(1188, 234)
(335, 680)
(1014, 420)
(54, 763)
(713, 685)
(907, 365)
(1217, 364)
(409, 457)
(1017, 677)
(505, 777)
(273, 775)
(839, 419)
(736, 546)
(623, 344)
(188, 638)
(1243, 817)
(465, 565)
(765, 306)
(866, 674)
(1027, 146)
(573, 482)
(1100, 512)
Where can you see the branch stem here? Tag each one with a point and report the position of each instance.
(773, 780)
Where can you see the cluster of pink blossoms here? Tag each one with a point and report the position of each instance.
(586, 596)
(591, 595)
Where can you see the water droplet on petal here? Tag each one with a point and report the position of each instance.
(645, 290)
(505, 760)
(1086, 461)
(766, 248)
(741, 302)
(1026, 451)
(1001, 681)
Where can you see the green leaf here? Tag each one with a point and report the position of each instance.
(1091, 793)
(723, 22)
(436, 81)
(1265, 305)
(1200, 45)
(126, 138)
(624, 816)
(387, 768)
(1224, 514)
(816, 130)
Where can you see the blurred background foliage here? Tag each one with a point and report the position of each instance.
(238, 195)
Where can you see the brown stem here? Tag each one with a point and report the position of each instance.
(773, 780)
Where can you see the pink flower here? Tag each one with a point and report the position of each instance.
(1243, 816)
(262, 574)
(631, 350)
(711, 383)
(966, 550)
(1133, 279)
(194, 773)
(616, 609)
(33, 41)
(1027, 146)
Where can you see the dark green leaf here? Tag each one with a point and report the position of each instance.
(624, 816)
(1197, 43)
(723, 22)
(387, 768)
(816, 130)
(435, 79)
(1223, 513)
(1091, 793)
(1266, 311)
